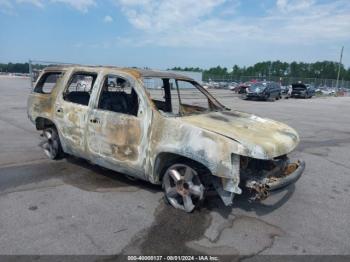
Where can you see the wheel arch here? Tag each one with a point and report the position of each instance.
(41, 123)
(166, 159)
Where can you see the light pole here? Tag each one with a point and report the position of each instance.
(30, 73)
(341, 57)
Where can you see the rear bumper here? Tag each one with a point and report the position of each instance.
(298, 94)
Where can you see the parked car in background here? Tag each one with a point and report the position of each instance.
(206, 85)
(284, 90)
(302, 90)
(264, 91)
(223, 85)
(242, 88)
(214, 84)
(327, 91)
(232, 86)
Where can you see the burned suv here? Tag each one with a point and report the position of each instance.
(164, 128)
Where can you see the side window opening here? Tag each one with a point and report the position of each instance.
(79, 88)
(163, 94)
(47, 82)
(118, 95)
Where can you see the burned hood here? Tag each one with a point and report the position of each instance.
(260, 137)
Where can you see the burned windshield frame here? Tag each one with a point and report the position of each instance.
(216, 103)
(183, 108)
(188, 109)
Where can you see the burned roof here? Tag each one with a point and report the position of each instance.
(163, 74)
(136, 72)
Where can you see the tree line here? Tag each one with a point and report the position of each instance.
(18, 67)
(324, 69)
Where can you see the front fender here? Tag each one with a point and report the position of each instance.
(214, 151)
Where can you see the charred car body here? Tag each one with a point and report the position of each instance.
(144, 124)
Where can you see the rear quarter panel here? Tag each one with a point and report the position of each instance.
(42, 104)
(39, 105)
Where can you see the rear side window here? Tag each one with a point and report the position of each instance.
(47, 82)
(79, 88)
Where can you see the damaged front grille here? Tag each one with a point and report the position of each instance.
(262, 176)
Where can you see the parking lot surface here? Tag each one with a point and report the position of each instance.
(73, 207)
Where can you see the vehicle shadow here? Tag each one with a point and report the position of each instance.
(99, 179)
(257, 100)
(241, 202)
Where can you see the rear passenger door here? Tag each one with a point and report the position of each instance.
(71, 111)
(116, 128)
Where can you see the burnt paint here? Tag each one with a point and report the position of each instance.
(134, 143)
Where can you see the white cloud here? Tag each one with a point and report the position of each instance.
(108, 19)
(37, 3)
(80, 5)
(5, 4)
(191, 23)
(159, 15)
(294, 5)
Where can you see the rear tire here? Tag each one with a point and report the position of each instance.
(51, 143)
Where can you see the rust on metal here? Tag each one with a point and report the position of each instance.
(223, 141)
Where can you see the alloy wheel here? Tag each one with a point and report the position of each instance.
(182, 186)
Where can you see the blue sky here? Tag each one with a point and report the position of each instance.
(163, 34)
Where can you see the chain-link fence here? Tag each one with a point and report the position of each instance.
(35, 67)
(284, 81)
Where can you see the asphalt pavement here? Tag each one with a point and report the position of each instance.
(73, 207)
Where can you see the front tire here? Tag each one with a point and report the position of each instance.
(51, 143)
(182, 186)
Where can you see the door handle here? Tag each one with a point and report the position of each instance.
(95, 120)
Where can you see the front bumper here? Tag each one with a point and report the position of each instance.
(261, 187)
